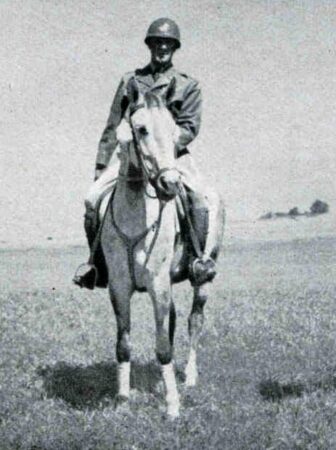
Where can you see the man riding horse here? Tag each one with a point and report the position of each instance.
(162, 39)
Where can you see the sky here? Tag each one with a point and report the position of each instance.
(267, 69)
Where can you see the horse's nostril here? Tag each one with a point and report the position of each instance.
(164, 184)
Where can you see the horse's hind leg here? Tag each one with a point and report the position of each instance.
(195, 323)
(165, 324)
(120, 299)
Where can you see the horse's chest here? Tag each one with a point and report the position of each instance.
(139, 245)
(140, 257)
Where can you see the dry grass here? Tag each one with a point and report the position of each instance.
(267, 360)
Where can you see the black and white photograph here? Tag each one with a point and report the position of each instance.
(168, 232)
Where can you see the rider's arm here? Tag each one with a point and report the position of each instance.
(188, 118)
(108, 141)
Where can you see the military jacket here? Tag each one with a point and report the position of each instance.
(185, 106)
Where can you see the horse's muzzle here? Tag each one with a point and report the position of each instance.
(167, 184)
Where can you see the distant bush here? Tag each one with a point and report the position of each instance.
(319, 207)
(294, 212)
(268, 215)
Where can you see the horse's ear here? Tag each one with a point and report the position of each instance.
(170, 91)
(132, 91)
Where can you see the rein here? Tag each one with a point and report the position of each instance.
(131, 242)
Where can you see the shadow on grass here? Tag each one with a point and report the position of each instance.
(275, 391)
(95, 386)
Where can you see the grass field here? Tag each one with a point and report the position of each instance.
(267, 360)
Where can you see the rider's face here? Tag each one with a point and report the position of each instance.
(162, 50)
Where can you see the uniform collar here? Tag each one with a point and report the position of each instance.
(159, 71)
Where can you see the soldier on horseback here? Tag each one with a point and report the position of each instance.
(162, 39)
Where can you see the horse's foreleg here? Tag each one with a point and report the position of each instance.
(121, 306)
(165, 324)
(195, 323)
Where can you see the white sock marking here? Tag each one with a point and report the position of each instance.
(124, 370)
(191, 369)
(172, 396)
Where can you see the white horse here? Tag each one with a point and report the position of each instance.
(139, 239)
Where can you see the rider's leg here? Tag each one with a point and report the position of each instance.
(104, 183)
(206, 206)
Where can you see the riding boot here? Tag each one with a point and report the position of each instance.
(203, 216)
(88, 278)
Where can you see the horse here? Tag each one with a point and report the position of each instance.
(138, 239)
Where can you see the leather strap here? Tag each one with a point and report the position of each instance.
(193, 236)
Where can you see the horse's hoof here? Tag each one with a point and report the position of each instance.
(190, 382)
(173, 407)
(173, 412)
(119, 400)
(190, 376)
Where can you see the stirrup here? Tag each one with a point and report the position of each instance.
(88, 278)
(202, 270)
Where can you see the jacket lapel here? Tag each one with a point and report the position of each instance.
(145, 77)
(164, 79)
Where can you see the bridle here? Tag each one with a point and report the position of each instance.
(140, 155)
(153, 175)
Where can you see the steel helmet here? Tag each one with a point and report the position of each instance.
(164, 28)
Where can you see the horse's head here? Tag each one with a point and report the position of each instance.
(154, 135)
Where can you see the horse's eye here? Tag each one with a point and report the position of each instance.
(143, 131)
